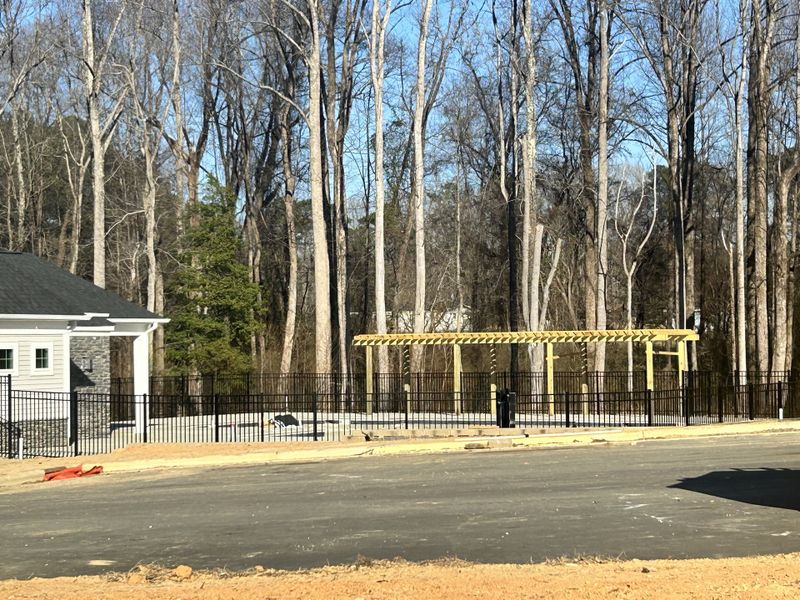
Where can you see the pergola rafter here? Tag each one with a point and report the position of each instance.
(525, 337)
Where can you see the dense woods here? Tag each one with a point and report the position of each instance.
(279, 175)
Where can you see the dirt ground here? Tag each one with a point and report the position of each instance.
(761, 577)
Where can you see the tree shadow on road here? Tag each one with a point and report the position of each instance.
(779, 488)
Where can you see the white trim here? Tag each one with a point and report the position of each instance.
(67, 362)
(35, 372)
(15, 317)
(156, 320)
(104, 333)
(14, 347)
(53, 331)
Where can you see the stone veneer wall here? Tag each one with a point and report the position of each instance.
(94, 411)
(44, 436)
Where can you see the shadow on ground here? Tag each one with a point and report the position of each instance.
(779, 488)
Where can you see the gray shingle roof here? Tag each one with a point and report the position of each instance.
(30, 285)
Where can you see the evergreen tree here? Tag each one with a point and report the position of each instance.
(214, 312)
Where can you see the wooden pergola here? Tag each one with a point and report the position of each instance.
(677, 337)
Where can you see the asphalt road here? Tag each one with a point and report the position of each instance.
(697, 498)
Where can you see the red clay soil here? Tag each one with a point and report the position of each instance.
(755, 578)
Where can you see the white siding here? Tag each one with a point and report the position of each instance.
(25, 376)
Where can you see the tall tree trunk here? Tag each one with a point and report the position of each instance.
(291, 238)
(741, 288)
(377, 65)
(177, 108)
(780, 264)
(602, 185)
(98, 150)
(322, 304)
(530, 286)
(19, 174)
(758, 102)
(418, 184)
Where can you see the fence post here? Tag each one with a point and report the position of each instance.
(9, 426)
(648, 402)
(73, 421)
(261, 413)
(407, 402)
(750, 400)
(215, 402)
(314, 411)
(685, 399)
(145, 418)
(566, 408)
(780, 401)
(184, 396)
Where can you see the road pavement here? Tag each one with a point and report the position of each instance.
(711, 497)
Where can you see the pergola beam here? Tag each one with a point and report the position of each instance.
(526, 337)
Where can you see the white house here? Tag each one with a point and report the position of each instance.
(55, 328)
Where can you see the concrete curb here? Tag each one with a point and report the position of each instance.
(12, 477)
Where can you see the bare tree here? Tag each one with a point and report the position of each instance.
(780, 263)
(418, 180)
(342, 41)
(322, 305)
(602, 183)
(764, 13)
(101, 128)
(529, 211)
(630, 263)
(377, 45)
(149, 76)
(584, 75)
(290, 184)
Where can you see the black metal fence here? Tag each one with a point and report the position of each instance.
(268, 408)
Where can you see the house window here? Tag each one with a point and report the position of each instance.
(6, 359)
(42, 358)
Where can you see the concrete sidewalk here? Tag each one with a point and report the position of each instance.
(14, 474)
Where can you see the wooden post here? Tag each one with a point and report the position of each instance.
(551, 409)
(368, 386)
(457, 378)
(493, 381)
(649, 365)
(681, 361)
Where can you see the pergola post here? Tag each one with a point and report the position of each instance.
(368, 383)
(457, 378)
(681, 361)
(549, 358)
(493, 381)
(649, 365)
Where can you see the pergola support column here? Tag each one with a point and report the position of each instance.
(649, 365)
(682, 367)
(493, 380)
(369, 376)
(549, 359)
(457, 379)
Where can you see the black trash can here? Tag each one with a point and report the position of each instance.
(502, 408)
(512, 409)
(506, 408)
